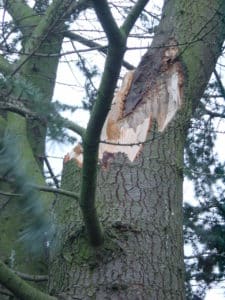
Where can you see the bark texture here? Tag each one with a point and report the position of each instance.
(140, 205)
(140, 202)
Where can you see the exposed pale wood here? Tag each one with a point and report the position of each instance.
(161, 102)
(77, 154)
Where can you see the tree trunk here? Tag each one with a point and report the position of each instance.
(139, 197)
(140, 205)
(29, 138)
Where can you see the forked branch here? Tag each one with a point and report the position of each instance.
(117, 46)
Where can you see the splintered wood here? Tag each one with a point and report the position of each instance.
(161, 102)
(126, 128)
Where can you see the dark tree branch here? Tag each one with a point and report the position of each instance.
(214, 114)
(221, 87)
(89, 43)
(116, 50)
(90, 142)
(51, 172)
(80, 39)
(70, 125)
(76, 7)
(108, 23)
(47, 189)
(57, 191)
(133, 16)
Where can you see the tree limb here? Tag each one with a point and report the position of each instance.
(108, 23)
(214, 114)
(28, 277)
(221, 87)
(133, 16)
(116, 49)
(80, 39)
(42, 188)
(89, 43)
(19, 287)
(100, 110)
(51, 172)
(55, 15)
(77, 6)
(6, 293)
(23, 16)
(57, 191)
(71, 125)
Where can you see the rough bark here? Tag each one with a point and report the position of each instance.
(140, 202)
(141, 210)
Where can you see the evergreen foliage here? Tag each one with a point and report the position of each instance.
(37, 226)
(204, 225)
(89, 87)
(30, 102)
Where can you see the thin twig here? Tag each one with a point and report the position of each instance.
(51, 172)
(28, 277)
(47, 189)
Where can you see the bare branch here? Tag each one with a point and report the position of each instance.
(213, 114)
(108, 23)
(17, 107)
(89, 43)
(70, 125)
(51, 172)
(221, 87)
(133, 16)
(47, 189)
(116, 49)
(77, 6)
(80, 39)
(6, 293)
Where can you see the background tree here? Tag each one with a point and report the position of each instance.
(116, 222)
